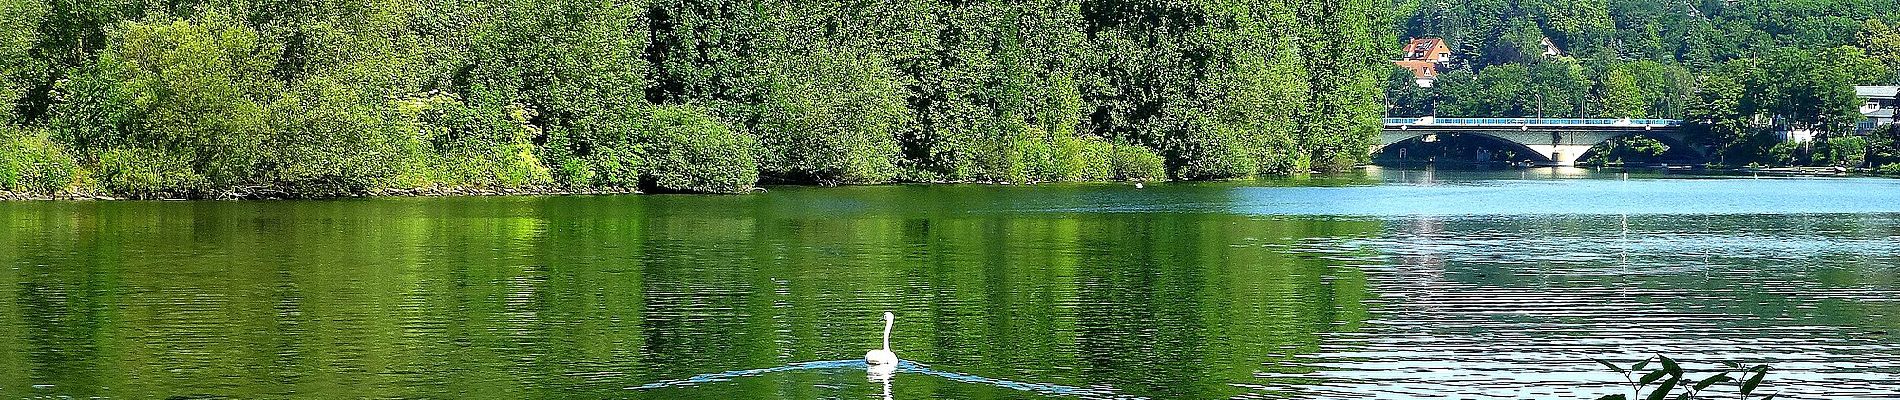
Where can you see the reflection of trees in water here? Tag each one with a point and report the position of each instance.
(1212, 301)
(582, 297)
(568, 297)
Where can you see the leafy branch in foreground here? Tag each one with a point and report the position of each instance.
(1671, 378)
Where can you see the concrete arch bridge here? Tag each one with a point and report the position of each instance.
(1550, 141)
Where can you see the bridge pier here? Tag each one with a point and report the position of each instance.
(1561, 155)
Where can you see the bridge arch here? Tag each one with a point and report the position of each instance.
(1558, 141)
(1678, 144)
(1391, 140)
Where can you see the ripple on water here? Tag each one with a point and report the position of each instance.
(1191, 291)
(1520, 311)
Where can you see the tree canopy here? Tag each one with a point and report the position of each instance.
(1738, 71)
(339, 97)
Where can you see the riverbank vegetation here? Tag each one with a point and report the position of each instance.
(344, 97)
(1741, 73)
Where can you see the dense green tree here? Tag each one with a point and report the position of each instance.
(1881, 41)
(32, 163)
(1736, 70)
(19, 30)
(331, 97)
(1722, 108)
(690, 151)
(1622, 95)
(1578, 25)
(833, 117)
(1506, 90)
(189, 97)
(1558, 88)
(1404, 98)
(998, 82)
(1458, 94)
(1643, 89)
(1814, 89)
(706, 50)
(1883, 148)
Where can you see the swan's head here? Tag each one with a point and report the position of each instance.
(888, 317)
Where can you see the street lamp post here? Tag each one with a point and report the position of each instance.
(1540, 105)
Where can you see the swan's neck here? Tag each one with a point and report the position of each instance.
(887, 334)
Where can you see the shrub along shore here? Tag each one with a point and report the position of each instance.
(324, 98)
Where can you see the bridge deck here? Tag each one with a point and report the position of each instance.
(1531, 123)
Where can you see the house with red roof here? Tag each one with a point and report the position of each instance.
(1425, 57)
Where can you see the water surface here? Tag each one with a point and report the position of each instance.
(1386, 284)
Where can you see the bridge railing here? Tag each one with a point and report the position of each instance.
(1532, 121)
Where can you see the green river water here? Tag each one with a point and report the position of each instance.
(1382, 284)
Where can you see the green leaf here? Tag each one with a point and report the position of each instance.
(1771, 396)
(1671, 366)
(1614, 397)
(1711, 381)
(1662, 392)
(1640, 364)
(1732, 364)
(1613, 367)
(1754, 381)
(1651, 377)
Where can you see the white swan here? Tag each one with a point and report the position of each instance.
(1137, 185)
(883, 356)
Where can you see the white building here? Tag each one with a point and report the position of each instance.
(1550, 48)
(1877, 104)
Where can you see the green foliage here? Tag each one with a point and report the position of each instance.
(95, 113)
(1210, 150)
(1550, 88)
(148, 173)
(18, 22)
(1134, 163)
(1498, 91)
(1881, 41)
(1814, 89)
(1883, 146)
(1073, 158)
(480, 143)
(1622, 95)
(688, 151)
(1404, 98)
(1721, 108)
(1227, 90)
(1733, 70)
(176, 103)
(1668, 377)
(1624, 149)
(832, 118)
(329, 98)
(1342, 55)
(327, 140)
(31, 163)
(1890, 169)
(1781, 153)
(578, 66)
(197, 87)
(1845, 151)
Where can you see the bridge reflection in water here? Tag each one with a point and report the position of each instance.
(1550, 141)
